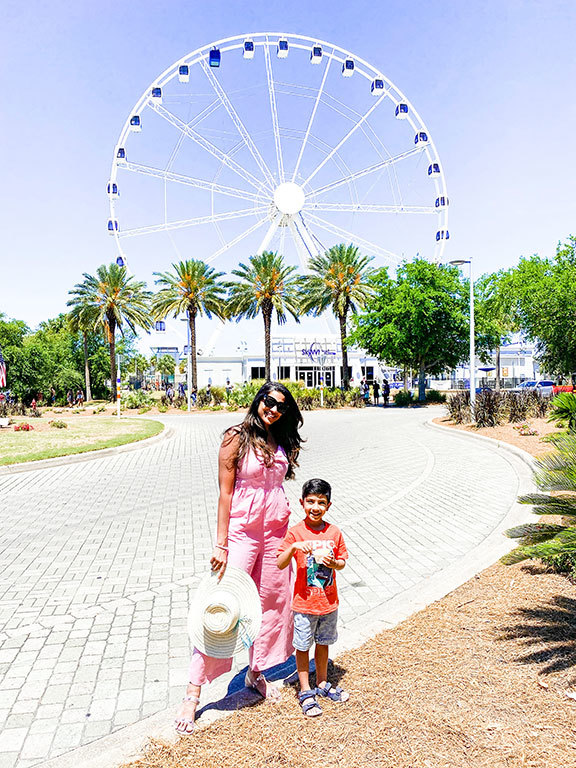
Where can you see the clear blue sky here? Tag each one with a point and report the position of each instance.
(493, 80)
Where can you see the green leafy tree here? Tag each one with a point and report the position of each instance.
(192, 288)
(116, 299)
(339, 280)
(81, 319)
(554, 543)
(420, 320)
(544, 295)
(494, 310)
(166, 365)
(266, 285)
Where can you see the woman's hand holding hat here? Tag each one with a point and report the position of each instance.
(219, 560)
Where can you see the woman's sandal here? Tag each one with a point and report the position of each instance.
(339, 695)
(309, 705)
(184, 729)
(263, 687)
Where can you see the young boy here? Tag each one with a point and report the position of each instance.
(319, 550)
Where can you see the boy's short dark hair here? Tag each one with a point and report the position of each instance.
(316, 487)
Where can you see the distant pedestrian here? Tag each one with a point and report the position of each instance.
(365, 390)
(376, 391)
(385, 392)
(69, 398)
(53, 396)
(80, 398)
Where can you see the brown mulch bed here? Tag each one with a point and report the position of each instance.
(483, 678)
(477, 679)
(506, 432)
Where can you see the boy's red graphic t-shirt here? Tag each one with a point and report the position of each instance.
(315, 587)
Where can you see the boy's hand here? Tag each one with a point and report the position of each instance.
(302, 546)
(330, 561)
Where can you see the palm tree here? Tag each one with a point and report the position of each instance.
(81, 319)
(552, 542)
(340, 280)
(112, 298)
(192, 288)
(266, 285)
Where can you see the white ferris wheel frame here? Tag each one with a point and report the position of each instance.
(304, 240)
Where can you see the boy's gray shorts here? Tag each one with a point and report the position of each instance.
(310, 629)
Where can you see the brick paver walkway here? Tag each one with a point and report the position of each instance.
(97, 558)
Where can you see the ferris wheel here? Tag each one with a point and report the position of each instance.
(271, 141)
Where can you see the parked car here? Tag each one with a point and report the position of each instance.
(544, 387)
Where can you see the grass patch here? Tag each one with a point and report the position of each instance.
(83, 434)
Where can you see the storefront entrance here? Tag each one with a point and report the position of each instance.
(310, 375)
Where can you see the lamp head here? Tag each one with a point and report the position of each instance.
(459, 262)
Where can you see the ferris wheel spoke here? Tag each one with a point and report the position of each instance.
(274, 112)
(170, 225)
(180, 178)
(269, 235)
(365, 171)
(312, 116)
(237, 239)
(352, 238)
(304, 253)
(207, 145)
(341, 143)
(366, 208)
(238, 123)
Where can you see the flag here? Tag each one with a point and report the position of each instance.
(2, 370)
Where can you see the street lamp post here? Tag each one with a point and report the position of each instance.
(458, 263)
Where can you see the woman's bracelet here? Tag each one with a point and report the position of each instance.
(219, 546)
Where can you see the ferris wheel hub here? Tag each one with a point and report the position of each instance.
(289, 198)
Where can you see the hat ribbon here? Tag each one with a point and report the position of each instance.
(247, 641)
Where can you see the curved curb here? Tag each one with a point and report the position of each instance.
(75, 458)
(126, 743)
(523, 455)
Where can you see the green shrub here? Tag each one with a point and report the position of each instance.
(403, 398)
(162, 408)
(434, 396)
(334, 398)
(459, 407)
(218, 395)
(308, 399)
(355, 398)
(137, 399)
(144, 409)
(100, 409)
(563, 410)
(241, 396)
(490, 409)
(519, 405)
(57, 424)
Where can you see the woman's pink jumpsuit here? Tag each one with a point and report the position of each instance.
(258, 522)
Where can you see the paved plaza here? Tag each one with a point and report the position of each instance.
(98, 557)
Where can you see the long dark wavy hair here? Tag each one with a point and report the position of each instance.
(252, 433)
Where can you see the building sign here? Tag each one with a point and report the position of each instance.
(316, 353)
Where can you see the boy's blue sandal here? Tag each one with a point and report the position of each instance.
(309, 705)
(337, 694)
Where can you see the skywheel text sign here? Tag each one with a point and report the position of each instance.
(317, 354)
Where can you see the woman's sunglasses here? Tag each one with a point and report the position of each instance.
(271, 402)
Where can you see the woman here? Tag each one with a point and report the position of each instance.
(255, 457)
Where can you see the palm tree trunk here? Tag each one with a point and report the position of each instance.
(192, 324)
(112, 347)
(344, 346)
(267, 315)
(86, 368)
(498, 382)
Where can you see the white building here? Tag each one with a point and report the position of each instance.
(305, 357)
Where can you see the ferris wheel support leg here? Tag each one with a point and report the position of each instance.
(268, 236)
(303, 253)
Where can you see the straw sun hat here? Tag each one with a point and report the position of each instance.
(225, 616)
